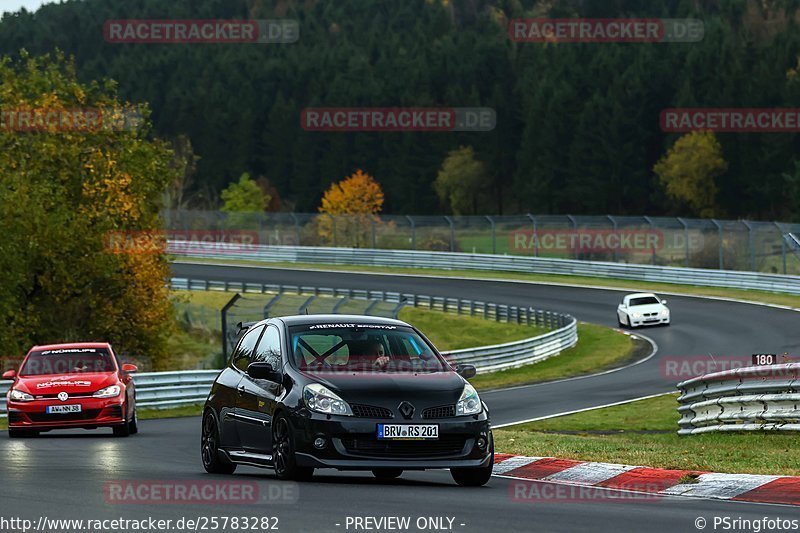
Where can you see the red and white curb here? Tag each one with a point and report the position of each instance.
(737, 487)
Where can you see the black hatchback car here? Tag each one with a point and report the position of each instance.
(344, 392)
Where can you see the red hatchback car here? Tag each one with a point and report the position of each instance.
(80, 385)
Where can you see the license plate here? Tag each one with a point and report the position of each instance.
(57, 409)
(408, 431)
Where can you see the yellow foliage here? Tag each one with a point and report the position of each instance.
(689, 169)
(360, 198)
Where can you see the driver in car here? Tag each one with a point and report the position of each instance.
(377, 351)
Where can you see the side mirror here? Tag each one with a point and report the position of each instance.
(130, 369)
(663, 302)
(9, 374)
(466, 371)
(261, 370)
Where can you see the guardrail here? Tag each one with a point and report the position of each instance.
(506, 263)
(161, 390)
(756, 398)
(158, 390)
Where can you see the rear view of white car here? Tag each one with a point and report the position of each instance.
(642, 309)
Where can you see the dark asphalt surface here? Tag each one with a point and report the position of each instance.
(64, 474)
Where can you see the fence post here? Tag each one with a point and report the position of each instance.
(534, 237)
(333, 217)
(614, 223)
(452, 234)
(686, 239)
(575, 227)
(650, 221)
(224, 321)
(751, 245)
(413, 232)
(494, 234)
(373, 233)
(721, 247)
(296, 228)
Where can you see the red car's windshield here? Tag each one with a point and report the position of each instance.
(68, 361)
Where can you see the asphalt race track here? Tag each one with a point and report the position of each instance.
(67, 474)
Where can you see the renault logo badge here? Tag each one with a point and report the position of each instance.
(406, 409)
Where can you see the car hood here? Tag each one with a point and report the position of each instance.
(387, 389)
(72, 384)
(649, 308)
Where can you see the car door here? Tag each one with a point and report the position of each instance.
(622, 311)
(257, 397)
(229, 382)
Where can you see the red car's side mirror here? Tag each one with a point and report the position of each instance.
(9, 374)
(130, 369)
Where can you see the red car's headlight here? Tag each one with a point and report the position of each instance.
(108, 392)
(19, 396)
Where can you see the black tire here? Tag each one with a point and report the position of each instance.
(472, 477)
(14, 433)
(475, 477)
(123, 430)
(283, 453)
(387, 473)
(133, 424)
(214, 461)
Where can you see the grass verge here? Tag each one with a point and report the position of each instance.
(740, 294)
(621, 434)
(454, 332)
(598, 349)
(173, 412)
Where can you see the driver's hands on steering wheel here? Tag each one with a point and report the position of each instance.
(381, 361)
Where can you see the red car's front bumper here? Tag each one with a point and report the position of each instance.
(95, 412)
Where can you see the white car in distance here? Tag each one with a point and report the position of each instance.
(642, 309)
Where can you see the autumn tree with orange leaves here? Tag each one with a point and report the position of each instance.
(352, 206)
(65, 189)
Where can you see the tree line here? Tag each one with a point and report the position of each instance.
(577, 124)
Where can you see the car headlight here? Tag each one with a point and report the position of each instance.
(665, 312)
(636, 315)
(108, 392)
(469, 403)
(19, 396)
(320, 399)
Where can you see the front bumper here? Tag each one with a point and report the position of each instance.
(636, 322)
(95, 412)
(352, 444)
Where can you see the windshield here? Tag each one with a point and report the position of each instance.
(68, 361)
(362, 348)
(644, 300)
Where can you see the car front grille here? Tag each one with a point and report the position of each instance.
(88, 414)
(443, 411)
(369, 445)
(15, 416)
(371, 411)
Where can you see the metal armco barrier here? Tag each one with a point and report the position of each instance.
(162, 390)
(756, 398)
(159, 390)
(506, 263)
